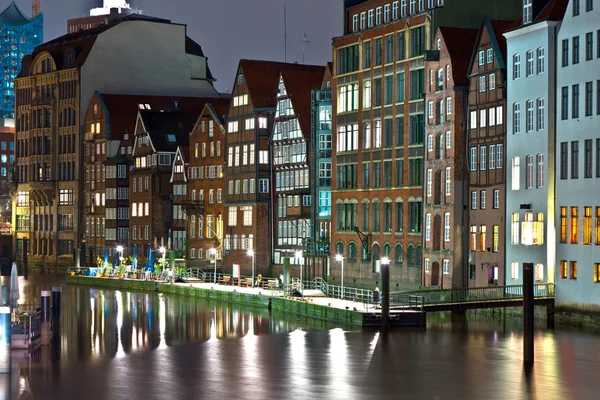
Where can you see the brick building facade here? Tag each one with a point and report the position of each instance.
(486, 156)
(445, 217)
(206, 184)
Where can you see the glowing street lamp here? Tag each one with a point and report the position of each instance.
(340, 258)
(251, 254)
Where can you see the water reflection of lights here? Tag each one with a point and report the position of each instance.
(297, 341)
(338, 358)
(249, 364)
(372, 347)
(119, 301)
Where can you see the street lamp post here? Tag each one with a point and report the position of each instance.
(385, 293)
(251, 254)
(214, 254)
(340, 258)
(120, 252)
(298, 256)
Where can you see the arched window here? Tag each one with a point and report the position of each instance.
(387, 250)
(398, 255)
(339, 248)
(410, 255)
(352, 251)
(419, 256)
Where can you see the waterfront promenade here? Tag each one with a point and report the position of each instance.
(313, 304)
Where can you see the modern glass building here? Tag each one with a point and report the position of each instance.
(19, 35)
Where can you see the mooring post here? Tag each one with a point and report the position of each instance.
(385, 294)
(528, 313)
(45, 318)
(56, 298)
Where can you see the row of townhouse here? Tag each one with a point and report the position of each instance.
(117, 150)
(504, 182)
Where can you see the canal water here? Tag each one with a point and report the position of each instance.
(133, 345)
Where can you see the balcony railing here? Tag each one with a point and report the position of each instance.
(193, 204)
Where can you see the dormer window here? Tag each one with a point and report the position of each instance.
(527, 11)
(171, 138)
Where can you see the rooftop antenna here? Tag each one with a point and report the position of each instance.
(285, 31)
(305, 42)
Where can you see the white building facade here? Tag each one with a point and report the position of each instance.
(578, 156)
(530, 144)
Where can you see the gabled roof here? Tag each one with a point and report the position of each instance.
(169, 129)
(459, 42)
(122, 109)
(299, 85)
(12, 15)
(495, 29)
(262, 79)
(554, 11)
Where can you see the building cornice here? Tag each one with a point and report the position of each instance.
(530, 28)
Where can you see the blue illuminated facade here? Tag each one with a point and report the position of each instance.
(19, 35)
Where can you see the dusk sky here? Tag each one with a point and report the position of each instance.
(227, 30)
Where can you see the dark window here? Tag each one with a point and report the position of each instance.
(389, 89)
(400, 172)
(376, 216)
(417, 84)
(565, 52)
(367, 55)
(377, 92)
(378, 51)
(399, 131)
(575, 159)
(388, 132)
(415, 171)
(400, 46)
(589, 46)
(387, 174)
(387, 217)
(564, 103)
(417, 41)
(576, 50)
(575, 102)
(564, 160)
(365, 217)
(417, 129)
(589, 95)
(598, 97)
(399, 217)
(575, 8)
(587, 172)
(415, 220)
(376, 174)
(348, 59)
(389, 49)
(400, 87)
(589, 5)
(366, 175)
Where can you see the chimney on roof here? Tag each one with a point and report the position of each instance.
(35, 8)
(114, 13)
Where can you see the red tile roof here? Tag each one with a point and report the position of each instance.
(299, 85)
(123, 108)
(262, 79)
(554, 11)
(459, 42)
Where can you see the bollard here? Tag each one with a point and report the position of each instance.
(56, 297)
(528, 313)
(45, 318)
(5, 340)
(385, 296)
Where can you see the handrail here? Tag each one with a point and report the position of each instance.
(490, 293)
